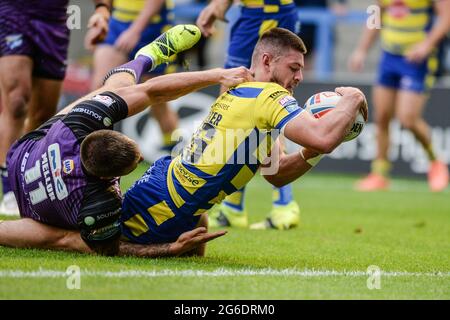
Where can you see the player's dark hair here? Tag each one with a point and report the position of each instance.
(277, 41)
(107, 153)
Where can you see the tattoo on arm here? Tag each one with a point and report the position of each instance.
(149, 251)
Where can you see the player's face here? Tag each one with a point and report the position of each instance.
(139, 157)
(287, 70)
(138, 160)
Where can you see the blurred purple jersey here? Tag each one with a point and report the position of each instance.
(37, 29)
(47, 176)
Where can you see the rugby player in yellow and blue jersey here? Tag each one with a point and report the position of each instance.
(256, 17)
(233, 141)
(133, 24)
(411, 31)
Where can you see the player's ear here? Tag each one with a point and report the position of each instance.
(266, 59)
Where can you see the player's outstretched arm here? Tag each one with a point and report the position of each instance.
(172, 86)
(165, 88)
(185, 243)
(28, 233)
(118, 80)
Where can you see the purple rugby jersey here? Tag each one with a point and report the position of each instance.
(47, 176)
(50, 177)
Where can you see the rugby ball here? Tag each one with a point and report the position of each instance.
(321, 103)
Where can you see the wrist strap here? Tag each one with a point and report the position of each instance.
(311, 161)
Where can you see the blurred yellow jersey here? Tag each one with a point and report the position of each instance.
(405, 23)
(269, 6)
(228, 147)
(261, 3)
(128, 10)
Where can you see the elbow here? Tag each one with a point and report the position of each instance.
(276, 182)
(326, 145)
(328, 148)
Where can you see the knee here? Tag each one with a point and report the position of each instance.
(18, 95)
(382, 120)
(406, 121)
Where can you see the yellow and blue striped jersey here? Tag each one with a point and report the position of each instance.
(268, 6)
(128, 10)
(228, 147)
(222, 156)
(405, 23)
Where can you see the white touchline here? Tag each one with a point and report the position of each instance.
(306, 273)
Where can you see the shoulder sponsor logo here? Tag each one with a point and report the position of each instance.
(68, 166)
(292, 107)
(276, 94)
(106, 100)
(289, 103)
(88, 112)
(286, 100)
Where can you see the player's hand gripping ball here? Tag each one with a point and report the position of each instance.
(321, 103)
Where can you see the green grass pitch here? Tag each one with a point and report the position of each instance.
(404, 232)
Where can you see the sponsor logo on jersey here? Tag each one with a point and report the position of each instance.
(104, 232)
(90, 113)
(54, 159)
(107, 122)
(399, 9)
(14, 41)
(289, 103)
(190, 181)
(68, 166)
(106, 100)
(108, 215)
(276, 94)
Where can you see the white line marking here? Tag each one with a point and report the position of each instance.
(47, 273)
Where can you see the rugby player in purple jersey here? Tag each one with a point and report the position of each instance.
(64, 174)
(34, 40)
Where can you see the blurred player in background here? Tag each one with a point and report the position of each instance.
(410, 38)
(257, 16)
(133, 24)
(308, 30)
(34, 40)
